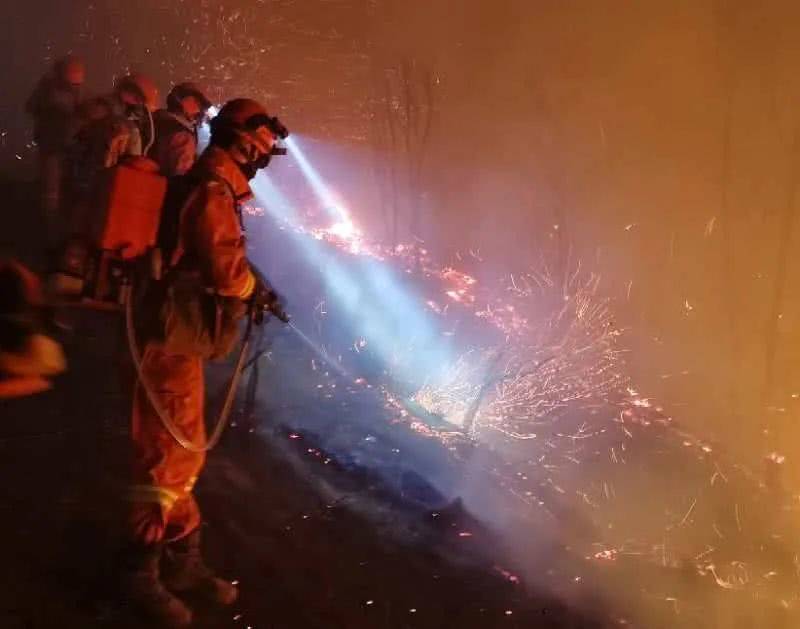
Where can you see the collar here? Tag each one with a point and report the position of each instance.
(181, 120)
(218, 162)
(115, 106)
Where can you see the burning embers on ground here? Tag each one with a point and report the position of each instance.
(560, 350)
(535, 371)
(536, 344)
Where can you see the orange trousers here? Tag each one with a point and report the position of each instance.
(164, 473)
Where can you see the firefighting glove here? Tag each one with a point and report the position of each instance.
(266, 300)
(147, 523)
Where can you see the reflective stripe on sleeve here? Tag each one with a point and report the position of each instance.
(249, 286)
(158, 495)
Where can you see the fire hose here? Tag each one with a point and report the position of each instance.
(224, 414)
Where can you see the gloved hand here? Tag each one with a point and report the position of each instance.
(147, 522)
(265, 299)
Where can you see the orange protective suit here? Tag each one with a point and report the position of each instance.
(211, 243)
(175, 146)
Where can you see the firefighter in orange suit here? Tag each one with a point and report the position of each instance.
(164, 560)
(175, 145)
(53, 106)
(107, 131)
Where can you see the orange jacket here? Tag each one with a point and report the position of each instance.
(210, 237)
(175, 146)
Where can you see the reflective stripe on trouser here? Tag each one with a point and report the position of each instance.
(164, 473)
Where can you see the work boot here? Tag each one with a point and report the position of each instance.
(185, 571)
(142, 587)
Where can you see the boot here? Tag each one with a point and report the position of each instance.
(185, 571)
(142, 587)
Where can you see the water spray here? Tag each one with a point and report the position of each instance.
(318, 350)
(314, 347)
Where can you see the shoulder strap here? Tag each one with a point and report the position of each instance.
(185, 191)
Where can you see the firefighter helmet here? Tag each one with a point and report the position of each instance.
(247, 116)
(144, 89)
(70, 70)
(240, 111)
(185, 90)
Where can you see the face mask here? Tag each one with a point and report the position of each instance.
(251, 168)
(263, 161)
(195, 120)
(134, 112)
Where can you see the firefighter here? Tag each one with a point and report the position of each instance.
(107, 130)
(116, 126)
(53, 105)
(28, 355)
(175, 145)
(163, 559)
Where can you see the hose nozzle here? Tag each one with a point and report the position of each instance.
(276, 308)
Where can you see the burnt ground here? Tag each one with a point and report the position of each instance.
(330, 512)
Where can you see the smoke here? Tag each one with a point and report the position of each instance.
(536, 420)
(656, 144)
